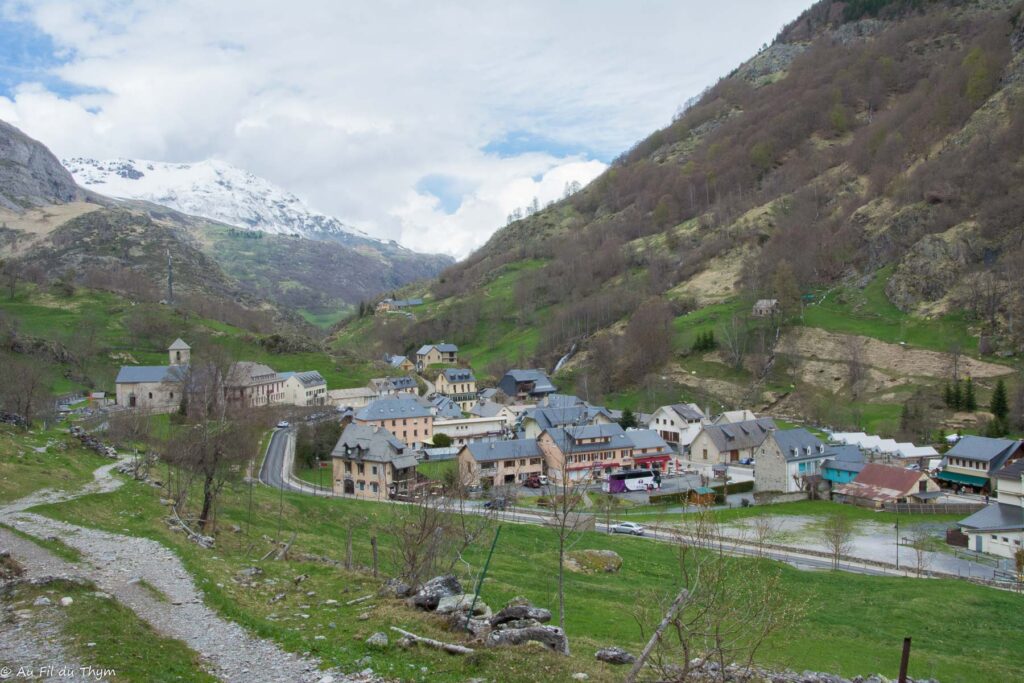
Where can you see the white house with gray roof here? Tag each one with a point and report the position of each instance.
(789, 460)
(155, 388)
(998, 528)
(436, 354)
(678, 424)
(304, 388)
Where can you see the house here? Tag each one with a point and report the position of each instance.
(788, 460)
(304, 388)
(734, 416)
(998, 528)
(491, 409)
(678, 424)
(526, 384)
(253, 385)
(154, 388)
(560, 401)
(459, 385)
(406, 419)
(369, 462)
(436, 354)
(764, 308)
(496, 463)
(878, 484)
(650, 451)
(842, 464)
(351, 398)
(725, 443)
(399, 363)
(975, 459)
(463, 430)
(389, 305)
(536, 420)
(587, 452)
(444, 408)
(393, 386)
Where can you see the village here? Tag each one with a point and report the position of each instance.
(522, 439)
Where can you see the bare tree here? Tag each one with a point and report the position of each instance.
(723, 612)
(920, 539)
(734, 336)
(837, 533)
(766, 528)
(23, 386)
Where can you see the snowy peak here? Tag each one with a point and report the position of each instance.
(211, 189)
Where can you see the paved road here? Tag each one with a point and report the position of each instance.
(278, 462)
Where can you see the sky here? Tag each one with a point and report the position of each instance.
(423, 122)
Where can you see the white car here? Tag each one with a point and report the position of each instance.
(628, 528)
(283, 424)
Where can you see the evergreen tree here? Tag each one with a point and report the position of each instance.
(970, 403)
(947, 396)
(957, 397)
(628, 419)
(1000, 406)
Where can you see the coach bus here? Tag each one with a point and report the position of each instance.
(631, 480)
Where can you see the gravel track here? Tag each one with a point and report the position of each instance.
(116, 563)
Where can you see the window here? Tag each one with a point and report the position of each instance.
(362, 486)
(374, 487)
(374, 470)
(151, 394)
(360, 468)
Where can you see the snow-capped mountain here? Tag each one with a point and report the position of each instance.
(211, 189)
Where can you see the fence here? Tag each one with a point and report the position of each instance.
(934, 508)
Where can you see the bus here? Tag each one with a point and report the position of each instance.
(631, 480)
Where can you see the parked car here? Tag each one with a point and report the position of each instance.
(747, 461)
(628, 528)
(496, 504)
(535, 481)
(283, 424)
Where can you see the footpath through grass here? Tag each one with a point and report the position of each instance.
(855, 624)
(37, 459)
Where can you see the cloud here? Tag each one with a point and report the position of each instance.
(422, 122)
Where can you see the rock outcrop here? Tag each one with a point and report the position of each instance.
(30, 175)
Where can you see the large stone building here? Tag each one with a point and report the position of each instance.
(458, 384)
(253, 385)
(369, 462)
(436, 354)
(498, 463)
(728, 443)
(585, 453)
(155, 388)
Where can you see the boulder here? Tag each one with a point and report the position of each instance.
(395, 588)
(515, 612)
(550, 637)
(462, 603)
(429, 595)
(614, 655)
(378, 639)
(594, 561)
(66, 601)
(42, 601)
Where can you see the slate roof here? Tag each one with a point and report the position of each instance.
(688, 411)
(735, 416)
(546, 418)
(490, 451)
(402, 303)
(542, 384)
(995, 517)
(368, 442)
(739, 435)
(392, 408)
(488, 409)
(794, 444)
(446, 407)
(443, 348)
(985, 449)
(178, 345)
(881, 483)
(1014, 471)
(395, 361)
(562, 401)
(308, 379)
(446, 453)
(568, 440)
(138, 374)
(458, 375)
(244, 373)
(844, 458)
(647, 438)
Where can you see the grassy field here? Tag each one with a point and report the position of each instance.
(102, 633)
(842, 631)
(436, 469)
(869, 312)
(42, 459)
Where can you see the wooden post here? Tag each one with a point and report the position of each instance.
(904, 660)
(373, 545)
(348, 550)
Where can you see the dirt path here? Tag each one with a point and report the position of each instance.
(116, 563)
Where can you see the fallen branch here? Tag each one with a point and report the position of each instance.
(450, 648)
(358, 600)
(283, 552)
(683, 596)
(204, 541)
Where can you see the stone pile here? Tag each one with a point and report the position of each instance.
(13, 419)
(92, 443)
(734, 673)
